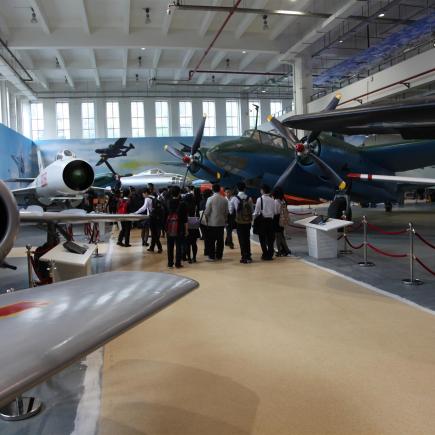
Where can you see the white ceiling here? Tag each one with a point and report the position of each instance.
(98, 42)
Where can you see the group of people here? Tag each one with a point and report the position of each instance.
(185, 215)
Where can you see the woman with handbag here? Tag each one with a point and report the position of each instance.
(264, 213)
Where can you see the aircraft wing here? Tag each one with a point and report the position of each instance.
(24, 191)
(393, 178)
(19, 180)
(45, 329)
(120, 142)
(412, 121)
(76, 216)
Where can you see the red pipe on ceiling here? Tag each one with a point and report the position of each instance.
(233, 9)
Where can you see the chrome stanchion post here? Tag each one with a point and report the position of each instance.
(411, 280)
(344, 251)
(365, 263)
(29, 266)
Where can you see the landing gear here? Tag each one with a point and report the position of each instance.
(340, 205)
(388, 207)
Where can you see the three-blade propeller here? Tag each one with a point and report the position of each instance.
(191, 158)
(305, 148)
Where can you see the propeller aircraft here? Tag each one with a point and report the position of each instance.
(316, 166)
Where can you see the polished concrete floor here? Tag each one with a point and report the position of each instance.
(270, 348)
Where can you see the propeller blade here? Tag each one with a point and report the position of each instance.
(174, 152)
(329, 108)
(291, 138)
(281, 181)
(185, 176)
(198, 137)
(333, 103)
(329, 172)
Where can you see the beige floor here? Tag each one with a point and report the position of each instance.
(270, 348)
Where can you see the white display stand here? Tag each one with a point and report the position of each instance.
(322, 238)
(69, 265)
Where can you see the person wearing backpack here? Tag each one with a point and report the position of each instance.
(265, 209)
(216, 217)
(244, 208)
(281, 220)
(124, 207)
(157, 220)
(176, 227)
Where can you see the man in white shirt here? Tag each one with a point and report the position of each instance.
(146, 209)
(266, 207)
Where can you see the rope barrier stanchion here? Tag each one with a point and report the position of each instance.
(411, 280)
(29, 266)
(344, 251)
(51, 268)
(365, 263)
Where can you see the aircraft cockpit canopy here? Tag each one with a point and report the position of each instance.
(65, 154)
(266, 138)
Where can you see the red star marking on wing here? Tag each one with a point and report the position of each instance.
(19, 307)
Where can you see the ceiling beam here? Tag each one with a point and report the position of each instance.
(167, 20)
(247, 60)
(156, 57)
(284, 23)
(248, 19)
(208, 19)
(126, 22)
(84, 16)
(64, 38)
(124, 67)
(227, 79)
(253, 80)
(274, 63)
(319, 30)
(217, 59)
(27, 61)
(187, 58)
(94, 67)
(202, 78)
(64, 68)
(40, 15)
(4, 27)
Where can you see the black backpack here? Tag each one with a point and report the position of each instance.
(158, 212)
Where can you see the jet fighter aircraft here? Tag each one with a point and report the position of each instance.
(73, 318)
(64, 180)
(316, 166)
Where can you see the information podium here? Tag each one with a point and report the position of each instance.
(69, 265)
(322, 236)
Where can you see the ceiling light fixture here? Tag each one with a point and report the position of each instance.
(265, 23)
(57, 63)
(381, 15)
(33, 20)
(137, 77)
(340, 41)
(139, 61)
(143, 48)
(147, 15)
(244, 51)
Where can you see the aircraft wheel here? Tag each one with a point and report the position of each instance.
(337, 207)
(388, 207)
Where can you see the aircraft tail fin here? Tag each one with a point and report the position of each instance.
(40, 161)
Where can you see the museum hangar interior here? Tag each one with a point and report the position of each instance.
(286, 145)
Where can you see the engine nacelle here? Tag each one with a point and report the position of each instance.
(9, 220)
(64, 177)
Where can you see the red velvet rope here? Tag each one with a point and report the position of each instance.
(424, 266)
(388, 233)
(354, 246)
(425, 241)
(340, 237)
(387, 254)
